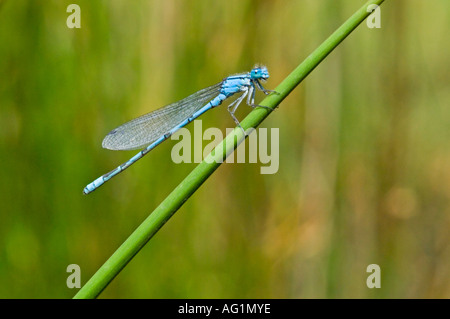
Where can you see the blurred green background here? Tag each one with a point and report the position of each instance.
(364, 174)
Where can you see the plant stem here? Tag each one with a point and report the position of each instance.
(195, 179)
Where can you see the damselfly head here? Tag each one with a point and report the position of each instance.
(259, 72)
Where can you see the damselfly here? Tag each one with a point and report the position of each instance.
(150, 130)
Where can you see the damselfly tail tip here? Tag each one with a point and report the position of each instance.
(88, 189)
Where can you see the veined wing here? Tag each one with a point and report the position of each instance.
(147, 128)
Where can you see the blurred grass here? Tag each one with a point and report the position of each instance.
(364, 152)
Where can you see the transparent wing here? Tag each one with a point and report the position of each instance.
(147, 128)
